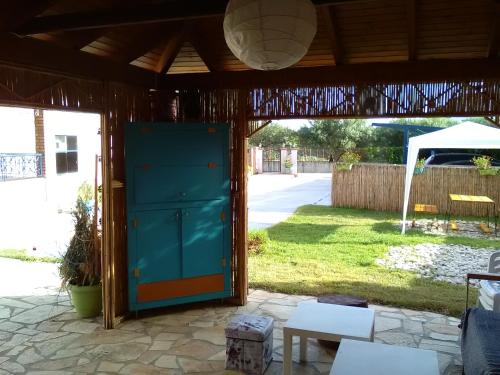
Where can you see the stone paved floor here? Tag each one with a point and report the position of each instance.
(42, 335)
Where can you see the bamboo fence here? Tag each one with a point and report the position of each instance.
(381, 187)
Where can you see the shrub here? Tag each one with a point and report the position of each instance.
(482, 162)
(81, 263)
(350, 157)
(257, 241)
(420, 163)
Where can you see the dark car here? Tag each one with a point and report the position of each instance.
(450, 158)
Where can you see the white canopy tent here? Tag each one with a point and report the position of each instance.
(467, 135)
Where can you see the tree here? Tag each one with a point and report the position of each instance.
(336, 136)
(442, 122)
(274, 135)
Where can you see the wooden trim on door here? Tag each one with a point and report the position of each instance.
(180, 288)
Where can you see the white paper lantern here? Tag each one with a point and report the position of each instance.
(269, 34)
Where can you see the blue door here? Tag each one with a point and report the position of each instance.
(179, 233)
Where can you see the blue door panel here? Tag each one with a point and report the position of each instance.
(196, 147)
(202, 241)
(160, 184)
(158, 239)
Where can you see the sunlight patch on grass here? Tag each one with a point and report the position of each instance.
(321, 250)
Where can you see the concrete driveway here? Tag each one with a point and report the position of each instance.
(274, 197)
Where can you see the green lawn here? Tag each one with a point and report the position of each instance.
(22, 255)
(330, 250)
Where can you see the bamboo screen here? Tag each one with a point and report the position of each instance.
(470, 98)
(381, 187)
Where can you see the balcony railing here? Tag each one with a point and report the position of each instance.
(20, 166)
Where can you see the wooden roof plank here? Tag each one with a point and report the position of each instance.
(494, 40)
(32, 53)
(412, 29)
(140, 14)
(206, 51)
(328, 14)
(14, 14)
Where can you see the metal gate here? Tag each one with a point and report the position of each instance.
(271, 160)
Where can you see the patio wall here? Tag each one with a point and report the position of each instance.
(381, 187)
(314, 167)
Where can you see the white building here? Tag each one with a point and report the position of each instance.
(35, 211)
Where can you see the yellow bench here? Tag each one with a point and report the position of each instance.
(485, 228)
(426, 208)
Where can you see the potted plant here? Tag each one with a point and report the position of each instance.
(420, 166)
(483, 164)
(347, 160)
(288, 165)
(80, 269)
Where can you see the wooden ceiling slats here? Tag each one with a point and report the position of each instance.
(455, 49)
(369, 6)
(191, 63)
(350, 32)
(444, 6)
(444, 55)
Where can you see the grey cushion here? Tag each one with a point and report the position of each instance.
(250, 327)
(480, 342)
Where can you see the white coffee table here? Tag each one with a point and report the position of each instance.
(325, 322)
(358, 357)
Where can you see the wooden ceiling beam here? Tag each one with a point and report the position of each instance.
(205, 49)
(123, 16)
(72, 39)
(171, 49)
(141, 42)
(38, 55)
(331, 26)
(369, 73)
(412, 30)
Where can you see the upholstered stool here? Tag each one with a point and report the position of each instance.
(249, 343)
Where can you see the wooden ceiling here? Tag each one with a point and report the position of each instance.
(186, 36)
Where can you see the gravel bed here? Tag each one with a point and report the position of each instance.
(448, 263)
(438, 227)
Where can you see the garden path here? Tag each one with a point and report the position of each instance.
(272, 197)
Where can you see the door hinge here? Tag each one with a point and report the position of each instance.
(135, 223)
(223, 262)
(222, 216)
(212, 130)
(212, 165)
(137, 272)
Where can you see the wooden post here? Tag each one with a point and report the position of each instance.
(107, 224)
(241, 204)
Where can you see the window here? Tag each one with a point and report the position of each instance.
(66, 154)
